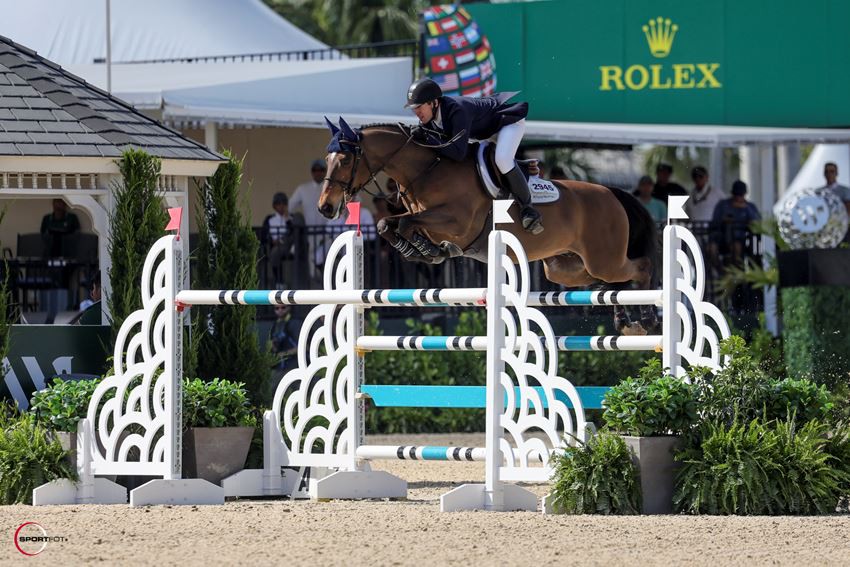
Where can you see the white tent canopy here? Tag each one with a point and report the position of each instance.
(277, 93)
(73, 32)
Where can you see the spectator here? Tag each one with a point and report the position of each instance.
(704, 197)
(91, 308)
(663, 186)
(558, 172)
(656, 208)
(830, 173)
(730, 225)
(305, 200)
(56, 226)
(283, 337)
(277, 237)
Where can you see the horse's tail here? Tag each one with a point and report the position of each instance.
(643, 232)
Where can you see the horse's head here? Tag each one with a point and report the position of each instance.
(345, 175)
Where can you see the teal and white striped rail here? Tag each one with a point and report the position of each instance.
(480, 343)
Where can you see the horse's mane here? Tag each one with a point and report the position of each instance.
(398, 126)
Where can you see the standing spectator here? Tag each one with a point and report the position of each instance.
(830, 173)
(305, 200)
(704, 197)
(730, 225)
(663, 186)
(277, 238)
(56, 226)
(656, 208)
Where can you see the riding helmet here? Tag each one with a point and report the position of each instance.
(422, 91)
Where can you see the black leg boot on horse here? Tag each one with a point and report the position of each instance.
(517, 184)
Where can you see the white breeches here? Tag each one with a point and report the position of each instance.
(508, 143)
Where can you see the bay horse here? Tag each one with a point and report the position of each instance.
(593, 234)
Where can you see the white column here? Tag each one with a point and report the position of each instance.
(211, 135)
(716, 170)
(750, 172)
(765, 205)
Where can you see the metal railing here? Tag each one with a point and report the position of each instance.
(395, 48)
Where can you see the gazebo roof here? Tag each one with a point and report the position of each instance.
(46, 111)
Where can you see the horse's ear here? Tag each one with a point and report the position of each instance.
(348, 132)
(331, 126)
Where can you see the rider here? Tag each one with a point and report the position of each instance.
(478, 118)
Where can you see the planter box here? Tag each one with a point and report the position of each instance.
(214, 453)
(654, 459)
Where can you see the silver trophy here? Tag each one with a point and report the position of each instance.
(813, 218)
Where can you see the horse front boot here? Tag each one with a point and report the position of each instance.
(518, 186)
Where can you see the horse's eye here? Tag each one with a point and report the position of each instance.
(345, 160)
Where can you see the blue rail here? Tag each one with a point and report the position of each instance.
(460, 396)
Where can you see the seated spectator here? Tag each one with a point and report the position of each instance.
(730, 225)
(56, 226)
(283, 339)
(704, 197)
(663, 186)
(91, 308)
(656, 208)
(277, 237)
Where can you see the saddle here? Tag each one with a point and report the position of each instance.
(542, 190)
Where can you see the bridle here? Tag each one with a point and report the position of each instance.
(348, 188)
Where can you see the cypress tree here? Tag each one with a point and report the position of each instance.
(137, 221)
(226, 344)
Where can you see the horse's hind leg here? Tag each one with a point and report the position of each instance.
(639, 272)
(568, 270)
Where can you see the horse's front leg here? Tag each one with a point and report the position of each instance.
(419, 229)
(388, 229)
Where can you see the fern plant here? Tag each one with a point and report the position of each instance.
(596, 477)
(29, 457)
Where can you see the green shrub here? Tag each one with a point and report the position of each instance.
(759, 468)
(800, 398)
(838, 446)
(218, 403)
(597, 477)
(28, 458)
(63, 404)
(651, 404)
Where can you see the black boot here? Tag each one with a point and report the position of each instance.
(518, 185)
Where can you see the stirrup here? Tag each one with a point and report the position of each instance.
(531, 220)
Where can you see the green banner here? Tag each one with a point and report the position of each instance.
(745, 62)
(39, 352)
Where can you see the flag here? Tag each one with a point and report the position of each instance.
(489, 87)
(442, 63)
(458, 40)
(486, 68)
(475, 91)
(470, 76)
(174, 220)
(437, 45)
(448, 24)
(465, 56)
(354, 215)
(447, 82)
(482, 53)
(433, 29)
(472, 33)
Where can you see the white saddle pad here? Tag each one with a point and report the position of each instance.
(542, 190)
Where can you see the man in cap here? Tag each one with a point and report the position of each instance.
(663, 186)
(704, 197)
(460, 118)
(306, 196)
(730, 223)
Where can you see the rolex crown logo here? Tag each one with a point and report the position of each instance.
(660, 33)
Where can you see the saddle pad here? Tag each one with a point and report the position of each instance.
(542, 190)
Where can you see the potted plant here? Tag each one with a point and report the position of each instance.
(596, 477)
(651, 412)
(218, 426)
(60, 407)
